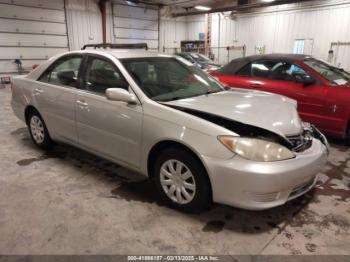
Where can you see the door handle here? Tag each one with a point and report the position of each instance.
(82, 103)
(38, 91)
(255, 85)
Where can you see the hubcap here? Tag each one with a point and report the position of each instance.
(37, 129)
(177, 181)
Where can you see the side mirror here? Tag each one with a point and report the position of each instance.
(120, 94)
(306, 80)
(67, 77)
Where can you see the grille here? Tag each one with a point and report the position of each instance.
(263, 197)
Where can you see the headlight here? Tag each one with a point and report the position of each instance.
(256, 149)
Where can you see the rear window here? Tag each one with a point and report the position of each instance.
(232, 67)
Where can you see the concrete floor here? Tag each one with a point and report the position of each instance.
(71, 202)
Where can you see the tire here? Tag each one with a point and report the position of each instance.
(347, 136)
(38, 131)
(190, 191)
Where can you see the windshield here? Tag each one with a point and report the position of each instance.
(335, 75)
(200, 57)
(166, 78)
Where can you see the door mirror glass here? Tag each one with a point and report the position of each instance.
(120, 94)
(67, 77)
(304, 79)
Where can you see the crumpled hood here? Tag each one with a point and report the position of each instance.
(272, 112)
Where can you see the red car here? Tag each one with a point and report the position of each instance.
(322, 90)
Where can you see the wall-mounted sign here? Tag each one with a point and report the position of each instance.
(260, 49)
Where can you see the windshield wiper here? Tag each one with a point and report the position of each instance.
(213, 91)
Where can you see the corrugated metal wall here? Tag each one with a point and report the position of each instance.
(135, 24)
(278, 27)
(175, 30)
(32, 31)
(41, 24)
(84, 23)
(171, 33)
(278, 31)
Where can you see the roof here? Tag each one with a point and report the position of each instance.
(123, 53)
(287, 57)
(238, 63)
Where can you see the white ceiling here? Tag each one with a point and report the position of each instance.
(191, 3)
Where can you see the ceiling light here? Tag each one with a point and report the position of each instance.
(268, 1)
(202, 8)
(132, 2)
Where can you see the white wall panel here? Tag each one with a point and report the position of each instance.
(175, 30)
(195, 25)
(84, 23)
(28, 53)
(37, 3)
(122, 10)
(11, 25)
(31, 13)
(277, 28)
(172, 32)
(19, 40)
(135, 24)
(32, 31)
(136, 33)
(278, 31)
(152, 44)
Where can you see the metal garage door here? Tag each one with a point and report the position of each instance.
(133, 24)
(32, 31)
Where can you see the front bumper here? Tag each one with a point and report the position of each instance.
(260, 185)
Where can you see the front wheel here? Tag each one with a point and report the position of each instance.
(38, 131)
(182, 181)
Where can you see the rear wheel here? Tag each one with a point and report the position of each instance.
(38, 131)
(182, 181)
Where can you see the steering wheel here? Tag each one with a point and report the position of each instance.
(148, 89)
(324, 73)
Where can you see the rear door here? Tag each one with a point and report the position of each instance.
(55, 95)
(110, 128)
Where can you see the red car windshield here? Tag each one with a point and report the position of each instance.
(334, 75)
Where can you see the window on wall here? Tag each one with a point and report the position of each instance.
(299, 46)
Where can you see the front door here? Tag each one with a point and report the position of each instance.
(286, 79)
(110, 128)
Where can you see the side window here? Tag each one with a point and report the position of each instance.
(64, 72)
(263, 68)
(288, 72)
(101, 75)
(245, 71)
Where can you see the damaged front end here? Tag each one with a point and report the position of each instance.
(296, 143)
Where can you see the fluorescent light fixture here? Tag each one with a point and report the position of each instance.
(202, 7)
(268, 1)
(132, 2)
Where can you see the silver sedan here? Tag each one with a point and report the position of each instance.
(166, 119)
